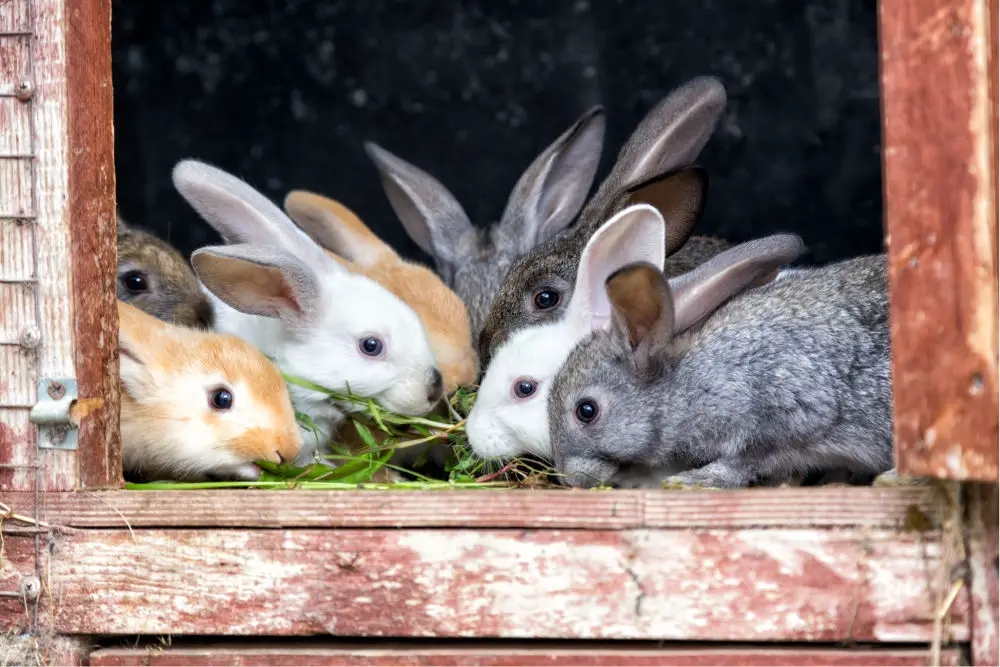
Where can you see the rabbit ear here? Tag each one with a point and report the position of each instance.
(336, 228)
(643, 306)
(634, 235)
(120, 224)
(430, 214)
(258, 280)
(551, 192)
(698, 293)
(670, 136)
(680, 198)
(239, 213)
(137, 333)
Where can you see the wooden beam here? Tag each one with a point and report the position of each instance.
(566, 509)
(803, 585)
(941, 214)
(593, 654)
(982, 520)
(93, 255)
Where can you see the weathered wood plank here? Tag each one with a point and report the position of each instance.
(15, 188)
(18, 562)
(94, 256)
(983, 516)
(13, 62)
(504, 654)
(16, 260)
(723, 585)
(14, 16)
(815, 507)
(941, 215)
(15, 430)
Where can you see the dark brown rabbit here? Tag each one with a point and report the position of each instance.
(154, 277)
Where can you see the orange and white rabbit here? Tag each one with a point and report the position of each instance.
(343, 235)
(197, 405)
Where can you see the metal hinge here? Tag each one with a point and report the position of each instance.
(51, 413)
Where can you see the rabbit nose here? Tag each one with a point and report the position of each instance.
(435, 390)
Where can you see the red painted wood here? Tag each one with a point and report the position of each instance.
(620, 509)
(502, 655)
(826, 585)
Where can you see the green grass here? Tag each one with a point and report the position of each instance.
(357, 470)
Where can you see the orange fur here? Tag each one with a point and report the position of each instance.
(348, 240)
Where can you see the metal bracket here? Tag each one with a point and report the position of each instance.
(51, 413)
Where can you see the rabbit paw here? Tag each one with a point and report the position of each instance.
(716, 475)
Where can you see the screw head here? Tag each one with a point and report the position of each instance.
(57, 390)
(31, 588)
(25, 89)
(30, 338)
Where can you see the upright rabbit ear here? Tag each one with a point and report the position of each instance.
(671, 136)
(137, 334)
(636, 234)
(549, 195)
(642, 305)
(335, 227)
(258, 280)
(698, 293)
(429, 212)
(239, 213)
(680, 198)
(120, 224)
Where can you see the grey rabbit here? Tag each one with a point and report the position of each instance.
(705, 382)
(154, 277)
(473, 259)
(668, 140)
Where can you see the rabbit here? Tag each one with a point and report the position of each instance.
(349, 241)
(277, 289)
(154, 277)
(473, 259)
(510, 415)
(539, 284)
(198, 405)
(704, 382)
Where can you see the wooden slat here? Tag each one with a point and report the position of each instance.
(14, 16)
(15, 431)
(13, 62)
(983, 552)
(826, 585)
(91, 209)
(941, 214)
(504, 654)
(15, 187)
(15, 118)
(815, 507)
(16, 260)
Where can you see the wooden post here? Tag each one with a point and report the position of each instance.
(941, 216)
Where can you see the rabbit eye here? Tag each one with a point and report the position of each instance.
(587, 411)
(546, 299)
(524, 387)
(371, 346)
(135, 281)
(220, 399)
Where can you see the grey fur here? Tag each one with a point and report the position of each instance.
(669, 138)
(785, 379)
(473, 259)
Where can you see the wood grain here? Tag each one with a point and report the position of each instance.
(507, 654)
(722, 585)
(566, 509)
(983, 517)
(941, 215)
(92, 229)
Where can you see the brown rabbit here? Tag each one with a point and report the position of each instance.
(197, 405)
(154, 277)
(349, 241)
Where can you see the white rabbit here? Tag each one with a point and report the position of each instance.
(510, 416)
(276, 288)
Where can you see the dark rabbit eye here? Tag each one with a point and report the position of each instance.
(370, 346)
(546, 299)
(587, 411)
(220, 399)
(135, 281)
(524, 387)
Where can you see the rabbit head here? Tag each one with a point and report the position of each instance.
(322, 322)
(198, 405)
(654, 167)
(473, 259)
(154, 277)
(510, 415)
(348, 240)
(607, 399)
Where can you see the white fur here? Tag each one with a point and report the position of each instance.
(347, 308)
(503, 425)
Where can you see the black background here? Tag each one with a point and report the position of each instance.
(282, 94)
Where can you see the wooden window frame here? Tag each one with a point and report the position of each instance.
(831, 565)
